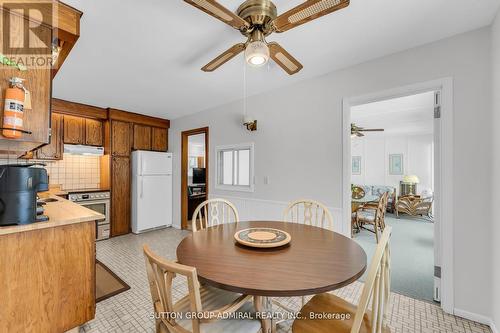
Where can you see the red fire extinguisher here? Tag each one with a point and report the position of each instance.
(14, 109)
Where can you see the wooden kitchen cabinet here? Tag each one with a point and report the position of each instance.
(159, 141)
(74, 130)
(48, 273)
(142, 137)
(54, 150)
(120, 138)
(50, 34)
(120, 195)
(93, 132)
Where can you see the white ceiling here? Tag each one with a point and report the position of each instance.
(145, 56)
(410, 115)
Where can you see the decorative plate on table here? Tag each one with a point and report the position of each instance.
(262, 237)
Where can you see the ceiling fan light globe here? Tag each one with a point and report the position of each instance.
(257, 53)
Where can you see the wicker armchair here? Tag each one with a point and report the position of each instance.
(414, 206)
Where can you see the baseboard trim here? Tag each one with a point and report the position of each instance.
(477, 318)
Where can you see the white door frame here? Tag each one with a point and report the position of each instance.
(443, 176)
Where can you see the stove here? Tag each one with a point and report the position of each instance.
(99, 201)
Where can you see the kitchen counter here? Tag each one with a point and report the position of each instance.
(61, 212)
(49, 268)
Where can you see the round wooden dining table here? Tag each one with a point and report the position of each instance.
(315, 261)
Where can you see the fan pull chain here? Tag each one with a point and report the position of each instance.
(244, 88)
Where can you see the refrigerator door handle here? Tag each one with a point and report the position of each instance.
(142, 187)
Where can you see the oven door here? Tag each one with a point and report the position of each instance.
(102, 227)
(99, 206)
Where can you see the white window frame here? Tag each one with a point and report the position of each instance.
(218, 168)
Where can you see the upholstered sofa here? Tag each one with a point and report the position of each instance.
(378, 190)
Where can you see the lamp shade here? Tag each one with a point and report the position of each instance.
(411, 179)
(257, 53)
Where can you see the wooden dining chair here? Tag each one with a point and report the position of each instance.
(214, 212)
(309, 212)
(373, 216)
(212, 302)
(376, 292)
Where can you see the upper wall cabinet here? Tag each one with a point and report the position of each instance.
(142, 137)
(34, 38)
(66, 34)
(74, 130)
(82, 131)
(148, 133)
(159, 140)
(93, 132)
(83, 124)
(54, 150)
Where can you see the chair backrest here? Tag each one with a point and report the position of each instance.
(161, 273)
(377, 287)
(214, 212)
(309, 212)
(381, 209)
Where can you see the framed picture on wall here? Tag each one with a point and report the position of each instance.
(356, 165)
(396, 164)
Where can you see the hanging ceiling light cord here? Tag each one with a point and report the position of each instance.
(244, 89)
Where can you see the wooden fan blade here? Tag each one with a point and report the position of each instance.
(220, 12)
(307, 11)
(284, 59)
(371, 130)
(224, 57)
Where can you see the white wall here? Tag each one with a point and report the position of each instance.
(299, 143)
(375, 150)
(496, 173)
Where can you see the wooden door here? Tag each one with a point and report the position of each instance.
(54, 150)
(120, 196)
(120, 138)
(159, 141)
(142, 137)
(93, 132)
(74, 130)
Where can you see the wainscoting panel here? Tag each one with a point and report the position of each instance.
(270, 210)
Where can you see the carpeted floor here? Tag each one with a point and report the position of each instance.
(412, 255)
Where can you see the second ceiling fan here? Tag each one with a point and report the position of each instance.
(357, 131)
(257, 19)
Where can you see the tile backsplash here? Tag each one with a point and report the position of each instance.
(72, 172)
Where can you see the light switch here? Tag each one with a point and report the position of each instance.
(266, 180)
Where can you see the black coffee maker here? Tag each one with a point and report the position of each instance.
(19, 185)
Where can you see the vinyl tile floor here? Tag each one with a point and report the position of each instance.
(131, 310)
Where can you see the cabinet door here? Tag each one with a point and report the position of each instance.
(120, 138)
(54, 150)
(142, 137)
(120, 196)
(93, 132)
(160, 139)
(74, 130)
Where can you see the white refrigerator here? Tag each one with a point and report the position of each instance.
(151, 190)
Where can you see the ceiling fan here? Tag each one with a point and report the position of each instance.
(357, 131)
(257, 19)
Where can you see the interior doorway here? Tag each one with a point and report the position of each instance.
(195, 171)
(392, 151)
(436, 151)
